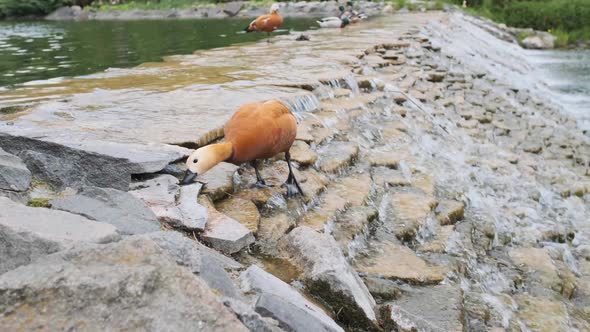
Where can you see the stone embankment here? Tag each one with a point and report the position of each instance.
(443, 192)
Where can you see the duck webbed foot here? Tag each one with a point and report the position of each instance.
(260, 183)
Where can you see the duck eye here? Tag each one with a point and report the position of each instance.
(195, 161)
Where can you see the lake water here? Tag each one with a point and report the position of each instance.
(567, 74)
(38, 50)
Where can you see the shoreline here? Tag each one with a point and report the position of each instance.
(442, 187)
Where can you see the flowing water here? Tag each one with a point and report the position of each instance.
(38, 50)
(567, 74)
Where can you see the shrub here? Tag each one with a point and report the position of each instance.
(13, 8)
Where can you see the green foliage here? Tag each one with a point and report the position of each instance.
(399, 4)
(568, 15)
(439, 5)
(39, 202)
(18, 8)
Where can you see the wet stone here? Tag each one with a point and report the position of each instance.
(328, 276)
(409, 213)
(241, 210)
(351, 224)
(270, 230)
(218, 181)
(448, 212)
(539, 265)
(397, 262)
(224, 233)
(433, 309)
(118, 208)
(337, 155)
(383, 289)
(303, 154)
(439, 243)
(542, 314)
(384, 176)
(384, 158)
(14, 174)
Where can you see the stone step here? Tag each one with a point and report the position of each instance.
(337, 155)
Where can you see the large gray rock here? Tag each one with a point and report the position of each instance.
(27, 233)
(278, 300)
(217, 278)
(174, 205)
(233, 8)
(433, 309)
(251, 318)
(65, 13)
(189, 253)
(129, 285)
(67, 162)
(540, 41)
(14, 174)
(118, 208)
(328, 275)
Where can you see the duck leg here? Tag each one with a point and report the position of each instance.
(292, 185)
(260, 183)
(268, 35)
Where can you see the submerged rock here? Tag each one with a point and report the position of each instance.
(242, 210)
(14, 174)
(118, 208)
(122, 286)
(409, 213)
(224, 233)
(328, 275)
(28, 233)
(278, 300)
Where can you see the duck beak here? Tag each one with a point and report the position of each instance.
(188, 177)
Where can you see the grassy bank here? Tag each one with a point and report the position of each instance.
(568, 20)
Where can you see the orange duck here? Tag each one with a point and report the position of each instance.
(256, 131)
(267, 23)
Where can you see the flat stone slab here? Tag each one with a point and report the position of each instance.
(132, 282)
(27, 233)
(189, 252)
(242, 210)
(337, 155)
(278, 300)
(120, 209)
(436, 309)
(74, 162)
(328, 275)
(174, 205)
(218, 181)
(14, 174)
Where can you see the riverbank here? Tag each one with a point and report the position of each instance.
(444, 191)
(224, 10)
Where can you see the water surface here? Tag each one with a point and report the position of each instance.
(567, 74)
(39, 50)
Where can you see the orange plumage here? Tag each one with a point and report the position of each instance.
(260, 130)
(267, 23)
(256, 131)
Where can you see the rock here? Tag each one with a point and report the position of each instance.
(123, 286)
(538, 264)
(542, 314)
(387, 159)
(270, 230)
(189, 252)
(14, 174)
(120, 209)
(219, 181)
(409, 213)
(226, 234)
(532, 147)
(174, 205)
(65, 14)
(65, 162)
(28, 233)
(384, 176)
(439, 243)
(448, 212)
(382, 288)
(351, 224)
(397, 262)
(242, 210)
(214, 275)
(436, 76)
(278, 300)
(233, 8)
(539, 41)
(392, 55)
(337, 155)
(303, 154)
(251, 319)
(328, 276)
(436, 309)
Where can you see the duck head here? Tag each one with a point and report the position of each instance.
(345, 21)
(205, 158)
(274, 8)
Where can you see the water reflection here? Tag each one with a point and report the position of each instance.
(41, 50)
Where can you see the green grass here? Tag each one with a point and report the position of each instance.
(154, 5)
(399, 4)
(439, 5)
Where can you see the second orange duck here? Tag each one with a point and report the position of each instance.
(256, 131)
(267, 23)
